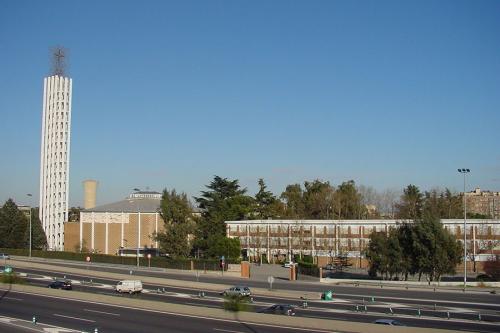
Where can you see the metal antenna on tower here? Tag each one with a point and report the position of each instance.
(59, 55)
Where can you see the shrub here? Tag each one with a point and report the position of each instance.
(12, 278)
(236, 303)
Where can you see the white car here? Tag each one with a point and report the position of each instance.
(237, 291)
(288, 264)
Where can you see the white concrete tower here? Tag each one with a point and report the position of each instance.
(54, 161)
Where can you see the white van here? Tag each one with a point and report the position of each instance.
(129, 286)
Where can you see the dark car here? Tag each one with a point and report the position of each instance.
(66, 285)
(390, 322)
(279, 309)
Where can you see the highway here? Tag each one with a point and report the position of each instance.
(86, 316)
(280, 284)
(464, 315)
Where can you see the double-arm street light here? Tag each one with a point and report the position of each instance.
(30, 195)
(465, 172)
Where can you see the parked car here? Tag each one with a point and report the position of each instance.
(129, 286)
(279, 309)
(390, 322)
(61, 284)
(288, 264)
(329, 267)
(4, 256)
(237, 291)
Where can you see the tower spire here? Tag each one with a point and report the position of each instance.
(59, 55)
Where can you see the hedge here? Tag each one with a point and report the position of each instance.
(161, 262)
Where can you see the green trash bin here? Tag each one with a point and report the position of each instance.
(328, 295)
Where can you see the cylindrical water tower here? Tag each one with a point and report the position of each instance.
(89, 193)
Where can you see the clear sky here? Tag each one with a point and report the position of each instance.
(169, 94)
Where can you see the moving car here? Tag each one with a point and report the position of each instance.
(237, 291)
(279, 309)
(61, 284)
(4, 256)
(390, 322)
(129, 286)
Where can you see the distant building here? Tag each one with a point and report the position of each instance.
(483, 202)
(129, 223)
(54, 158)
(324, 239)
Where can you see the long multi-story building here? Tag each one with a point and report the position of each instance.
(280, 239)
(54, 160)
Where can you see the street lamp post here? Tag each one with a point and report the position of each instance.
(138, 229)
(465, 172)
(29, 195)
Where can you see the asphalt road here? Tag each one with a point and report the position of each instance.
(316, 309)
(86, 316)
(355, 293)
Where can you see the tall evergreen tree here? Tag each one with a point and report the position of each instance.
(38, 237)
(223, 201)
(176, 212)
(410, 205)
(266, 203)
(13, 226)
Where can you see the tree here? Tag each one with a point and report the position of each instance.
(267, 206)
(176, 212)
(410, 205)
(38, 237)
(74, 214)
(13, 226)
(318, 198)
(348, 201)
(222, 246)
(406, 239)
(443, 204)
(376, 253)
(492, 267)
(223, 201)
(294, 202)
(394, 254)
(437, 251)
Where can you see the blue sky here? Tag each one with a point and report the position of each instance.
(169, 94)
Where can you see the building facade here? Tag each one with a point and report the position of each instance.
(483, 202)
(54, 158)
(127, 224)
(280, 239)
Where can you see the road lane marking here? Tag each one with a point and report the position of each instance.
(11, 321)
(230, 331)
(76, 318)
(108, 313)
(454, 320)
(206, 306)
(13, 298)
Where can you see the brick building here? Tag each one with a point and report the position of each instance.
(127, 224)
(483, 202)
(324, 239)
